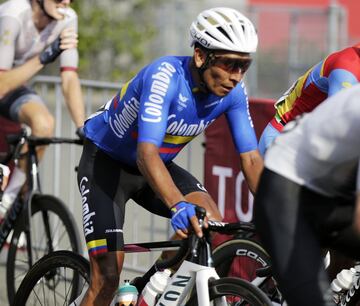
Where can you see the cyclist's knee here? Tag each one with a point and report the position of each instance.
(38, 117)
(42, 125)
(204, 200)
(105, 284)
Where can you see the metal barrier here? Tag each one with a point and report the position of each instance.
(59, 178)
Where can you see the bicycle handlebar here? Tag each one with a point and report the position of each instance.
(14, 139)
(193, 243)
(19, 139)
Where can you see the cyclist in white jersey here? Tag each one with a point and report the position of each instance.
(33, 33)
(306, 197)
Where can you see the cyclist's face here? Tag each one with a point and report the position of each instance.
(52, 8)
(225, 71)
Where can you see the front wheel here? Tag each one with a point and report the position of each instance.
(56, 279)
(233, 291)
(52, 228)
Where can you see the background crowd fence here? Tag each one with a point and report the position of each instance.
(292, 38)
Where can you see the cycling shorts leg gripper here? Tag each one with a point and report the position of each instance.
(291, 241)
(99, 179)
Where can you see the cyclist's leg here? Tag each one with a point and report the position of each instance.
(105, 271)
(291, 241)
(14, 107)
(338, 234)
(267, 137)
(38, 118)
(188, 185)
(103, 185)
(193, 192)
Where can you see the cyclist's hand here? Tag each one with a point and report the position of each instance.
(183, 214)
(4, 176)
(66, 40)
(80, 133)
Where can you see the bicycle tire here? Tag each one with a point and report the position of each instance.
(240, 258)
(242, 293)
(42, 276)
(57, 210)
(247, 249)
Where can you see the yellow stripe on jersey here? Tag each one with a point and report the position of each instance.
(124, 89)
(96, 243)
(288, 103)
(322, 68)
(177, 139)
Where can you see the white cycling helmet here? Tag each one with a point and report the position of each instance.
(224, 28)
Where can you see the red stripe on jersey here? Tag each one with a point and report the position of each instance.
(116, 101)
(68, 69)
(170, 150)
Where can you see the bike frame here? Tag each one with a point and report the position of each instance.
(182, 282)
(33, 184)
(18, 206)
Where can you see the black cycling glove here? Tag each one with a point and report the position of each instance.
(51, 52)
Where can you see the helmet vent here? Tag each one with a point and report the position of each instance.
(224, 32)
(224, 28)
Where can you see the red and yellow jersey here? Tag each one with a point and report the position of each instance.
(338, 71)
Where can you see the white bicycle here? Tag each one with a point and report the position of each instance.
(60, 277)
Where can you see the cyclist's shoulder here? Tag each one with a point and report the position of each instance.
(170, 70)
(238, 94)
(16, 9)
(169, 63)
(347, 59)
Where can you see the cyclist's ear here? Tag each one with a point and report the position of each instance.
(199, 57)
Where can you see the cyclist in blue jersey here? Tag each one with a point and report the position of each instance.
(132, 140)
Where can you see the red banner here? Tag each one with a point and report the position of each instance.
(223, 177)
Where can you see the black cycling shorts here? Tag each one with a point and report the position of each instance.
(106, 185)
(294, 223)
(10, 104)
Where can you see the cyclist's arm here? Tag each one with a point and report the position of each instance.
(252, 165)
(12, 78)
(69, 61)
(357, 208)
(153, 169)
(152, 128)
(244, 137)
(157, 175)
(73, 96)
(340, 79)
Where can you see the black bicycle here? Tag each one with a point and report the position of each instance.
(244, 257)
(36, 224)
(58, 278)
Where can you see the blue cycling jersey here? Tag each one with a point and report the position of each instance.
(159, 106)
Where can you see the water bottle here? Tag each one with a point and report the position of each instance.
(342, 283)
(154, 288)
(343, 280)
(126, 295)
